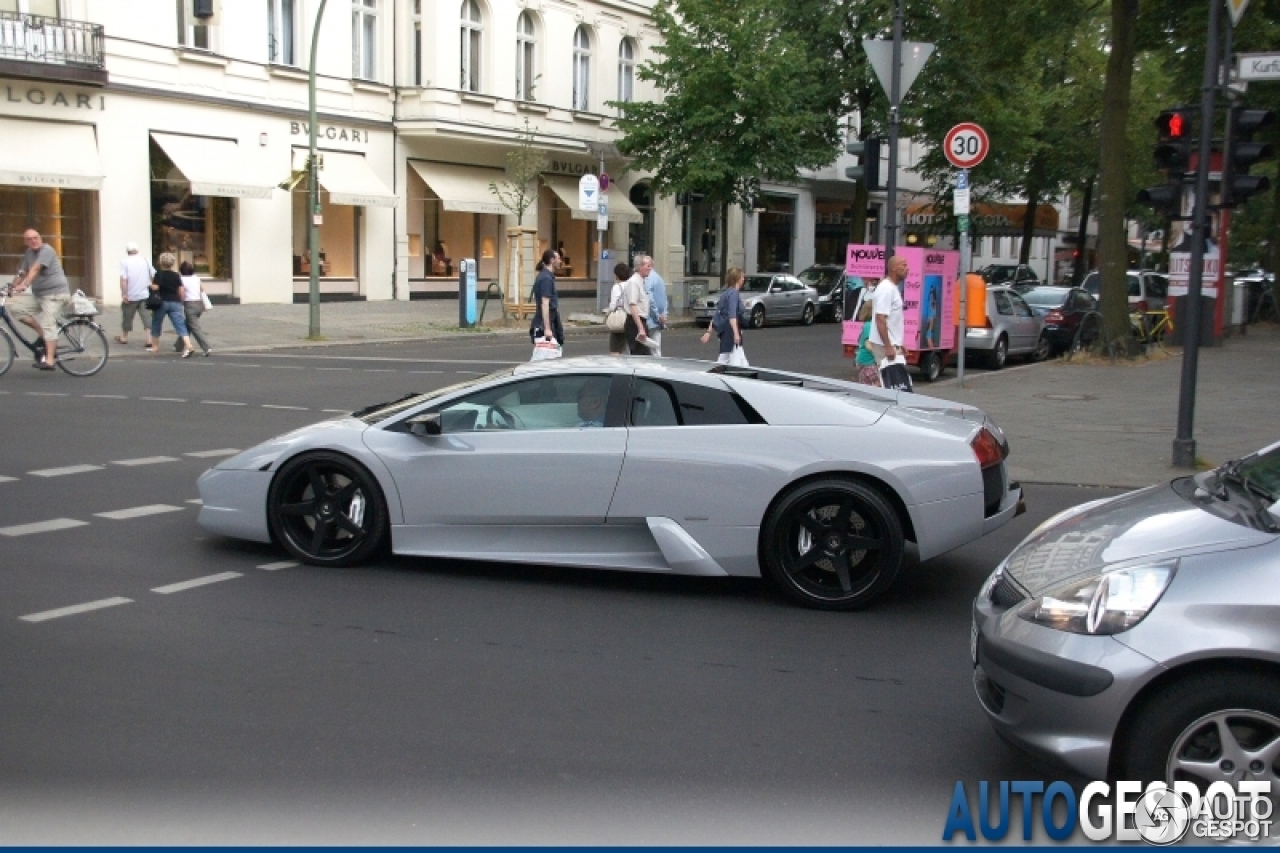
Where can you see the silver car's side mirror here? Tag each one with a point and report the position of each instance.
(428, 424)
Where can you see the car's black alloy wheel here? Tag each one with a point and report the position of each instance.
(1220, 725)
(757, 317)
(833, 544)
(1043, 349)
(327, 510)
(999, 353)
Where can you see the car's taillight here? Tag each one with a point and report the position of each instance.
(987, 449)
(1054, 316)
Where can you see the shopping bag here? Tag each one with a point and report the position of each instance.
(894, 375)
(208, 303)
(738, 358)
(545, 349)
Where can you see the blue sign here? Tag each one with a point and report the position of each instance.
(962, 179)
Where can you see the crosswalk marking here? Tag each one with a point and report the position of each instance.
(138, 511)
(209, 454)
(74, 609)
(61, 472)
(195, 582)
(275, 567)
(41, 527)
(145, 460)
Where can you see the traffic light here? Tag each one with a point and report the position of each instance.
(868, 169)
(1237, 184)
(1172, 153)
(1165, 199)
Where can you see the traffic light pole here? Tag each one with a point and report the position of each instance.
(313, 189)
(895, 98)
(1184, 443)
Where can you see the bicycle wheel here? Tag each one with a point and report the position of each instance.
(82, 348)
(1088, 333)
(6, 352)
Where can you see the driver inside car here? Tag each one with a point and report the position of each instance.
(591, 404)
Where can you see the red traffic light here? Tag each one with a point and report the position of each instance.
(1174, 124)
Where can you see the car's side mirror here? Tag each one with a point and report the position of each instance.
(428, 424)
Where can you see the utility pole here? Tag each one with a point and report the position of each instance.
(313, 186)
(895, 99)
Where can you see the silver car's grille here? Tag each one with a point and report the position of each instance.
(1004, 594)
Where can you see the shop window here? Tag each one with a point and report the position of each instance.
(195, 228)
(626, 71)
(581, 70)
(832, 221)
(338, 237)
(640, 234)
(445, 237)
(577, 240)
(61, 217)
(281, 27)
(775, 233)
(526, 69)
(701, 221)
(472, 35)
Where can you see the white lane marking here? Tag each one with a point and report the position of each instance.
(8, 479)
(275, 567)
(74, 609)
(426, 371)
(293, 408)
(220, 403)
(163, 399)
(337, 411)
(233, 364)
(138, 511)
(472, 372)
(195, 582)
(379, 370)
(42, 527)
(196, 501)
(286, 367)
(60, 472)
(106, 397)
(47, 393)
(144, 460)
(309, 357)
(209, 454)
(335, 368)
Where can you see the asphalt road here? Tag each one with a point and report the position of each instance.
(214, 692)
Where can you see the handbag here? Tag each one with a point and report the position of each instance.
(616, 320)
(894, 375)
(154, 302)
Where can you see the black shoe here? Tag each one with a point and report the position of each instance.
(43, 366)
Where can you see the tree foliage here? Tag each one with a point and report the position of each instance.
(519, 189)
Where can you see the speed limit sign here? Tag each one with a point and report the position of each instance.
(966, 145)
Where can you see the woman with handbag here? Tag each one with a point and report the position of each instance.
(615, 316)
(728, 322)
(167, 285)
(195, 303)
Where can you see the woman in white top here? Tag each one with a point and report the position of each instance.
(193, 305)
(618, 340)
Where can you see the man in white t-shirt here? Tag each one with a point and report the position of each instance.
(887, 319)
(136, 273)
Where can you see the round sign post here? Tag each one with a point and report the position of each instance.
(966, 145)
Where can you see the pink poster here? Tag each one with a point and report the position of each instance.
(912, 289)
(937, 315)
(864, 265)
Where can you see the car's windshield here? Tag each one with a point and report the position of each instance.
(821, 278)
(382, 411)
(757, 283)
(1262, 471)
(1045, 297)
(995, 274)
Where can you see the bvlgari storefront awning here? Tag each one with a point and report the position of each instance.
(49, 155)
(215, 167)
(348, 179)
(462, 189)
(988, 219)
(620, 207)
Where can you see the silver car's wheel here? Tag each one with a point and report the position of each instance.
(999, 355)
(1215, 726)
(806, 318)
(757, 317)
(327, 510)
(832, 544)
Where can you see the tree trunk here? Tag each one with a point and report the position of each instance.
(1082, 235)
(1035, 184)
(1112, 176)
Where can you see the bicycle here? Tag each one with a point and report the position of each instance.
(82, 348)
(1266, 309)
(1151, 327)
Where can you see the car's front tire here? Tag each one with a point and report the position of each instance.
(326, 509)
(1208, 727)
(806, 317)
(837, 310)
(832, 544)
(1043, 349)
(757, 317)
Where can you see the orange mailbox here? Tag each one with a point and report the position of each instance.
(975, 301)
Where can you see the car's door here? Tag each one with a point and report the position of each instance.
(1027, 323)
(776, 304)
(516, 454)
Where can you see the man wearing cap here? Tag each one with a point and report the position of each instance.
(136, 273)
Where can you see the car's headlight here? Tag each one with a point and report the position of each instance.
(749, 303)
(1107, 603)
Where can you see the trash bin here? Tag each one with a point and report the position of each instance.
(1239, 303)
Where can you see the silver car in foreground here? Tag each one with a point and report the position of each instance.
(1139, 637)
(657, 465)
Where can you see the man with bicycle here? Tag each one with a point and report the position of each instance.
(39, 293)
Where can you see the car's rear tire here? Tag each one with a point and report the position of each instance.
(1043, 349)
(930, 366)
(832, 544)
(806, 316)
(999, 355)
(837, 310)
(326, 509)
(757, 317)
(1202, 728)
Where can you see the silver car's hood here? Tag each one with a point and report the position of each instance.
(1154, 522)
(265, 454)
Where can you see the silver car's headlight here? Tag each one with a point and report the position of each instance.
(1107, 603)
(749, 303)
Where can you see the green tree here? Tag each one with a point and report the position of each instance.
(741, 102)
(519, 189)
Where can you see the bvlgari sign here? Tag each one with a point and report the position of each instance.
(41, 97)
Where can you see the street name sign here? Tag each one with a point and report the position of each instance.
(1258, 66)
(966, 145)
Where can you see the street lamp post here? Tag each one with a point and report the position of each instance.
(313, 186)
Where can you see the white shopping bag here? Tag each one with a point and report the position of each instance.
(738, 358)
(544, 349)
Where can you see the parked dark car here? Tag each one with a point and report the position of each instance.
(1014, 275)
(828, 280)
(1061, 308)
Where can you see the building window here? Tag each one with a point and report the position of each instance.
(192, 31)
(195, 228)
(40, 8)
(701, 227)
(775, 233)
(281, 27)
(339, 241)
(526, 44)
(626, 71)
(581, 70)
(417, 42)
(640, 234)
(472, 31)
(364, 39)
(61, 217)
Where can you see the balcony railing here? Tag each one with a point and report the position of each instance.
(74, 45)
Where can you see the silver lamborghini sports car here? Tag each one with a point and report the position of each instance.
(654, 465)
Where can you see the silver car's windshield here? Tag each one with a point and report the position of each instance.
(381, 411)
(1262, 472)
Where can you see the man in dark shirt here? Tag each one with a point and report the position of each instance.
(546, 303)
(39, 292)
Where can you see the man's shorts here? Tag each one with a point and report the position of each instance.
(46, 310)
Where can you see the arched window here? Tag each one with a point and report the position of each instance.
(626, 70)
(472, 31)
(526, 58)
(581, 70)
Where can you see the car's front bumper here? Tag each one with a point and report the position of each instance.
(1054, 694)
(235, 503)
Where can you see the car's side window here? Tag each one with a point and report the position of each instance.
(1135, 286)
(1157, 286)
(686, 404)
(1002, 304)
(1021, 308)
(540, 403)
(652, 404)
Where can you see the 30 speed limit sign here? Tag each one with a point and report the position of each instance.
(966, 145)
